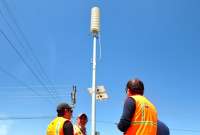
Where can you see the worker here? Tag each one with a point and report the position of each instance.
(61, 125)
(162, 128)
(139, 114)
(80, 126)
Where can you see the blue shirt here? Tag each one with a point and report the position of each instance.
(162, 129)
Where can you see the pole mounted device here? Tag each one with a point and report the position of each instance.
(94, 28)
(73, 96)
(95, 21)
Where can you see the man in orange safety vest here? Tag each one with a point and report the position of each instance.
(139, 114)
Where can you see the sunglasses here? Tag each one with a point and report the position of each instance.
(70, 110)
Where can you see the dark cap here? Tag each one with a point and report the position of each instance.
(63, 106)
(82, 115)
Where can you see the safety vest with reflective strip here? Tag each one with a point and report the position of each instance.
(77, 130)
(56, 126)
(144, 120)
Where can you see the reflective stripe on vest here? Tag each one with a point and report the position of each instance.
(77, 130)
(144, 120)
(56, 126)
(144, 123)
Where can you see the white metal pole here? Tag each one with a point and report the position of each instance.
(93, 122)
(95, 27)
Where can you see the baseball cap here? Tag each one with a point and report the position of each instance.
(63, 106)
(82, 115)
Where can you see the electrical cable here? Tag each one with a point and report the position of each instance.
(41, 69)
(24, 61)
(37, 86)
(100, 46)
(41, 96)
(20, 82)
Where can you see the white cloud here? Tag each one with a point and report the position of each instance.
(5, 126)
(3, 129)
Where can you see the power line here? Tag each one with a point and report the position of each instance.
(31, 96)
(26, 118)
(19, 81)
(37, 86)
(27, 65)
(60, 88)
(41, 69)
(25, 39)
(10, 27)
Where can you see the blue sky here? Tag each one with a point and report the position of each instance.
(156, 41)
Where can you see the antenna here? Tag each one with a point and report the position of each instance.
(95, 21)
(73, 96)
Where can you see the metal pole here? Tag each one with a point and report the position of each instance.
(93, 122)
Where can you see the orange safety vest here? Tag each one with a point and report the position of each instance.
(144, 120)
(56, 126)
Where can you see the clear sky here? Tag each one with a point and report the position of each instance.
(46, 47)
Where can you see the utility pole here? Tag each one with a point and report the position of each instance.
(95, 28)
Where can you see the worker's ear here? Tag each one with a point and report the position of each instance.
(128, 92)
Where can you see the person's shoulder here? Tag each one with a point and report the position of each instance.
(68, 123)
(75, 126)
(68, 128)
(130, 100)
(162, 128)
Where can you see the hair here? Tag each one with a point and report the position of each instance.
(135, 86)
(61, 109)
